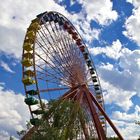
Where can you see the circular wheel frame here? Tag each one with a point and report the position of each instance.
(55, 60)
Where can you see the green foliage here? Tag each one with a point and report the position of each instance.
(11, 138)
(137, 122)
(113, 138)
(23, 132)
(62, 121)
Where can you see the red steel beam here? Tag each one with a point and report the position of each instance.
(79, 97)
(83, 124)
(69, 95)
(29, 133)
(106, 117)
(99, 128)
(52, 89)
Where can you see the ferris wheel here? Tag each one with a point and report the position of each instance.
(56, 64)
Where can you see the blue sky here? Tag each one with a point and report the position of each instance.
(111, 30)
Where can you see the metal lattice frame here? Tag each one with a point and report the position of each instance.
(56, 57)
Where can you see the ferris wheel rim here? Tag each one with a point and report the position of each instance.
(36, 81)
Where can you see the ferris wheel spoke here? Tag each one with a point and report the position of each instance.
(47, 80)
(55, 75)
(52, 89)
(70, 41)
(58, 83)
(42, 78)
(71, 46)
(65, 68)
(64, 52)
(72, 57)
(42, 47)
(57, 49)
(76, 60)
(52, 67)
(68, 50)
(75, 56)
(58, 71)
(48, 74)
(64, 42)
(77, 52)
(39, 74)
(53, 40)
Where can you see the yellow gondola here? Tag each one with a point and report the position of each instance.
(27, 62)
(34, 26)
(98, 96)
(29, 73)
(28, 81)
(28, 55)
(28, 47)
(31, 35)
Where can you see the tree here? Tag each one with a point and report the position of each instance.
(61, 121)
(138, 123)
(113, 138)
(11, 138)
(23, 132)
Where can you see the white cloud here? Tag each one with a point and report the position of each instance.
(116, 95)
(22, 12)
(17, 18)
(128, 117)
(113, 51)
(126, 67)
(100, 11)
(2, 84)
(125, 122)
(6, 67)
(117, 78)
(130, 1)
(130, 62)
(127, 79)
(15, 21)
(14, 113)
(128, 130)
(72, 2)
(11, 41)
(136, 3)
(82, 24)
(132, 24)
(4, 135)
(108, 66)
